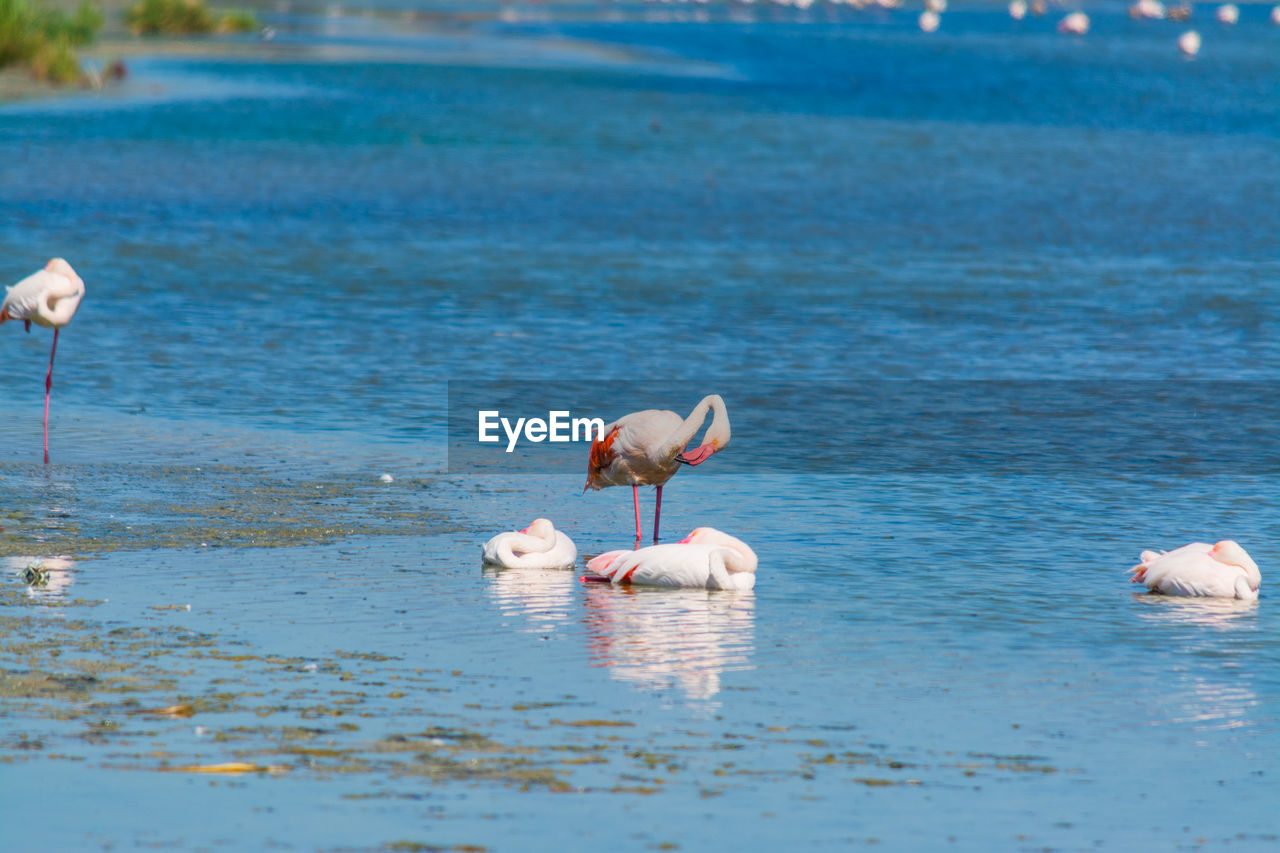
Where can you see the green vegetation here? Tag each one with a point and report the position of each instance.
(183, 17)
(45, 39)
(237, 22)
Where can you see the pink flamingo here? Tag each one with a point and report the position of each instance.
(1223, 570)
(48, 298)
(707, 558)
(647, 448)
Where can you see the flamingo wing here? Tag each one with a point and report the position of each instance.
(23, 299)
(602, 458)
(636, 449)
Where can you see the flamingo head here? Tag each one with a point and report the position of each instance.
(712, 443)
(541, 528)
(1229, 552)
(62, 268)
(711, 536)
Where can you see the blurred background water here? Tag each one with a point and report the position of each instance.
(292, 252)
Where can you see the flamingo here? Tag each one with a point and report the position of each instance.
(1189, 42)
(707, 558)
(1223, 570)
(48, 298)
(929, 21)
(538, 546)
(647, 448)
(1228, 13)
(1018, 9)
(1076, 24)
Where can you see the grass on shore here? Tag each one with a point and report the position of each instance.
(44, 39)
(184, 17)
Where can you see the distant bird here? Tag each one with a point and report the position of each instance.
(707, 559)
(1018, 9)
(1153, 9)
(1179, 13)
(1275, 16)
(1223, 570)
(647, 448)
(538, 546)
(1228, 13)
(929, 21)
(1076, 24)
(938, 6)
(1189, 42)
(48, 298)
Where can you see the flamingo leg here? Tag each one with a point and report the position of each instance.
(635, 498)
(657, 513)
(48, 387)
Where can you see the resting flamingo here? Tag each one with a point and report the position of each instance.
(707, 558)
(1076, 23)
(48, 298)
(647, 448)
(538, 546)
(1223, 570)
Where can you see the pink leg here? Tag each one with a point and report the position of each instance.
(48, 387)
(657, 513)
(635, 498)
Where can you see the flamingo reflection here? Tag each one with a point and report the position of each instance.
(541, 598)
(659, 640)
(1204, 695)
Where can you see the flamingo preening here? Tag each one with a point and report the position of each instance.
(538, 546)
(47, 298)
(647, 448)
(1223, 570)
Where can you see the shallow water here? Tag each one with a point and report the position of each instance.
(292, 260)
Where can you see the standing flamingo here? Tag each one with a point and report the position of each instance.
(49, 298)
(707, 559)
(1223, 570)
(647, 448)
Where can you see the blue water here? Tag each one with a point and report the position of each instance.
(293, 252)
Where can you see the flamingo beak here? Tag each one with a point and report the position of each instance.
(698, 456)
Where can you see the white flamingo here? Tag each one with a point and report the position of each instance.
(1228, 13)
(647, 448)
(706, 559)
(1076, 24)
(1189, 42)
(47, 298)
(1223, 570)
(538, 546)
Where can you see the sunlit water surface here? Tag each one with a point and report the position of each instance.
(289, 255)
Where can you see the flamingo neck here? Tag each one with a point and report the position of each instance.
(685, 432)
(516, 545)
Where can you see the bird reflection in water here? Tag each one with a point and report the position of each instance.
(660, 639)
(1220, 696)
(45, 577)
(542, 598)
(1226, 613)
